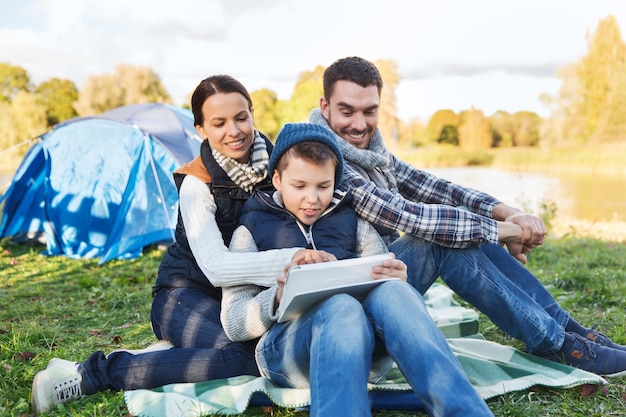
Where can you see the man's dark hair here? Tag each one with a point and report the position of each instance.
(354, 69)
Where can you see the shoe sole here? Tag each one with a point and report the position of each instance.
(35, 407)
(615, 375)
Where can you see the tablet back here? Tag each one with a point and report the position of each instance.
(307, 285)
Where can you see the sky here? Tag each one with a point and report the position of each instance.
(451, 54)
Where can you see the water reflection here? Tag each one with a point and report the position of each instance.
(584, 197)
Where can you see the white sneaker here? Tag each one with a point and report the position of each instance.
(56, 384)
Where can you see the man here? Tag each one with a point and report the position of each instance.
(451, 231)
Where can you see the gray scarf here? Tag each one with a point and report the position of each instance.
(246, 175)
(375, 156)
(373, 163)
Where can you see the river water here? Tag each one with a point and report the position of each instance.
(586, 205)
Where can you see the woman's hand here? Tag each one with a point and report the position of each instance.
(392, 268)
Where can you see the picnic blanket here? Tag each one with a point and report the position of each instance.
(493, 369)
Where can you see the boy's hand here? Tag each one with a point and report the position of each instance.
(310, 256)
(393, 268)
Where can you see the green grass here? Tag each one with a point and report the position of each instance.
(57, 307)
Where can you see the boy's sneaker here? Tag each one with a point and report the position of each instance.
(582, 353)
(56, 384)
(602, 339)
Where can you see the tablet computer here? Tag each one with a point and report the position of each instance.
(307, 285)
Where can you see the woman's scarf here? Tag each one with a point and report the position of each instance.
(246, 176)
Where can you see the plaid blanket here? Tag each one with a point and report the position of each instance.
(492, 368)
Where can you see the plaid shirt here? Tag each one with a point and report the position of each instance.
(424, 206)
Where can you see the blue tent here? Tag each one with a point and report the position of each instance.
(102, 186)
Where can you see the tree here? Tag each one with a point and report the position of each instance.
(141, 85)
(590, 89)
(13, 79)
(502, 129)
(438, 123)
(526, 127)
(612, 124)
(29, 116)
(127, 85)
(8, 131)
(598, 71)
(58, 96)
(266, 112)
(305, 97)
(412, 133)
(388, 122)
(474, 131)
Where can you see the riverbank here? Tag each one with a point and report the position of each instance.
(607, 161)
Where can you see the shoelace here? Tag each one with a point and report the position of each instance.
(587, 344)
(68, 389)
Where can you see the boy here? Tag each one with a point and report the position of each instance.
(331, 348)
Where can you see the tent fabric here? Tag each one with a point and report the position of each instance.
(102, 186)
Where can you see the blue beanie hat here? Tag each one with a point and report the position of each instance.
(294, 133)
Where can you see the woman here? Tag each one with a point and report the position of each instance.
(186, 306)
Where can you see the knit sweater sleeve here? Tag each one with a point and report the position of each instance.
(247, 310)
(220, 266)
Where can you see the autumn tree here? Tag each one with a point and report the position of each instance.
(474, 131)
(599, 71)
(305, 97)
(411, 133)
(13, 79)
(58, 96)
(266, 112)
(526, 128)
(443, 121)
(590, 89)
(127, 85)
(502, 129)
(388, 121)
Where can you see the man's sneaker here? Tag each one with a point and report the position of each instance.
(56, 384)
(602, 339)
(584, 354)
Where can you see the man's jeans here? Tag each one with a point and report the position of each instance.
(495, 283)
(331, 347)
(190, 319)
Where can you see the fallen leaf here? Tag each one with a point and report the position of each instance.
(25, 356)
(116, 340)
(6, 367)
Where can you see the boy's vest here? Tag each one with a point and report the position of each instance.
(179, 267)
(273, 227)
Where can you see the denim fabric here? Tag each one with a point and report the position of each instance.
(190, 319)
(330, 349)
(492, 281)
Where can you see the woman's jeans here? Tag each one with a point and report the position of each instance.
(190, 319)
(330, 348)
(492, 281)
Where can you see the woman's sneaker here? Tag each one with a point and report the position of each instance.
(580, 352)
(602, 339)
(56, 384)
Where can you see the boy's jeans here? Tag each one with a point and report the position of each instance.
(331, 347)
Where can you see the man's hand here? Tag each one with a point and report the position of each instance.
(533, 229)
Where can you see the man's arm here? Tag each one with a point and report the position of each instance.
(440, 223)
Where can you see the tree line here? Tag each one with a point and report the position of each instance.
(587, 110)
